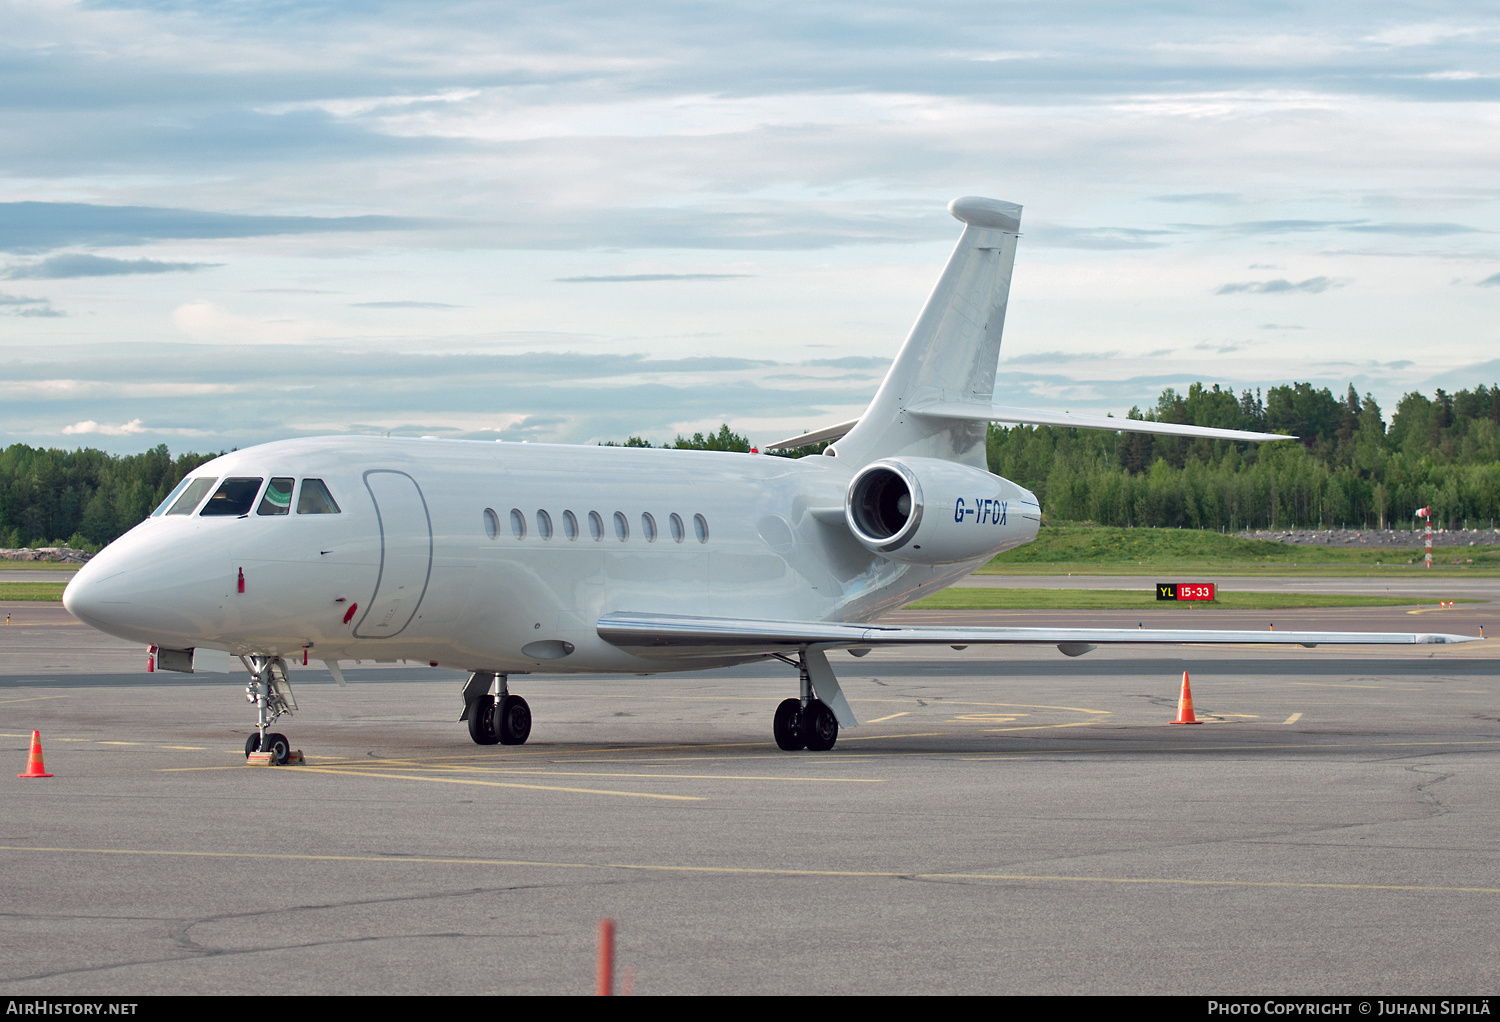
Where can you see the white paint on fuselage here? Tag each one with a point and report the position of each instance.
(173, 580)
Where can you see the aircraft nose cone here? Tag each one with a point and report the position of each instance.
(85, 598)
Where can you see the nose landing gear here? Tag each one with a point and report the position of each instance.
(495, 716)
(271, 693)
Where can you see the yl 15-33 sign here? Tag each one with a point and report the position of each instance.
(1184, 590)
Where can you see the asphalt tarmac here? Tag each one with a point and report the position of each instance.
(1004, 821)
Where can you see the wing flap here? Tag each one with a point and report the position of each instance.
(661, 635)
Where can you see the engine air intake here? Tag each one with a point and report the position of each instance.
(884, 506)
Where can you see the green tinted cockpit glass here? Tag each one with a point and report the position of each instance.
(315, 499)
(278, 497)
(234, 497)
(196, 490)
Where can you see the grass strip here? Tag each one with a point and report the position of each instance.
(36, 592)
(1126, 599)
(1085, 549)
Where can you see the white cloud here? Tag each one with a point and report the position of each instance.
(90, 426)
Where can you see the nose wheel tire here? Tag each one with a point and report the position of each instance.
(511, 721)
(787, 725)
(482, 721)
(275, 743)
(820, 728)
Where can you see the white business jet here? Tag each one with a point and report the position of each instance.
(505, 559)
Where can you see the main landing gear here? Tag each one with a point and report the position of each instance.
(809, 722)
(271, 693)
(495, 716)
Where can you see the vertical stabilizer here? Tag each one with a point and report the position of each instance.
(951, 353)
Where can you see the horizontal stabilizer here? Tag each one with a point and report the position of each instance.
(1037, 417)
(817, 436)
(1040, 417)
(662, 635)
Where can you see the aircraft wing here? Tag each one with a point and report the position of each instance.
(662, 635)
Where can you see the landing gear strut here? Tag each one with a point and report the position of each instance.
(809, 722)
(271, 693)
(494, 715)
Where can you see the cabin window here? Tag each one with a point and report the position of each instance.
(196, 490)
(596, 526)
(517, 523)
(544, 525)
(278, 497)
(678, 532)
(234, 497)
(622, 527)
(648, 528)
(700, 526)
(491, 523)
(314, 499)
(570, 525)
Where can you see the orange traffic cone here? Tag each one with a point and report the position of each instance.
(34, 766)
(1185, 704)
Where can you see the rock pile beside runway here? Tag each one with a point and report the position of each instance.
(59, 554)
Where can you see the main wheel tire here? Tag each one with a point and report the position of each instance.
(278, 746)
(513, 721)
(482, 721)
(819, 727)
(787, 725)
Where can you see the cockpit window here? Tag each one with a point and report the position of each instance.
(196, 490)
(277, 499)
(315, 499)
(161, 508)
(233, 498)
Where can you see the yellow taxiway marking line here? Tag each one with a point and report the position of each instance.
(1293, 719)
(677, 777)
(1340, 684)
(1041, 727)
(876, 738)
(120, 743)
(881, 720)
(27, 699)
(184, 748)
(499, 784)
(406, 764)
(759, 870)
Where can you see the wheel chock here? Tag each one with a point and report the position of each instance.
(293, 758)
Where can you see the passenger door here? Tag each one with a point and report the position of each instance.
(405, 554)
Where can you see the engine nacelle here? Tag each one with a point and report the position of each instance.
(928, 511)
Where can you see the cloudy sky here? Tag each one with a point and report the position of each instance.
(225, 223)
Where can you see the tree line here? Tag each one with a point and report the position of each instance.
(82, 498)
(1347, 467)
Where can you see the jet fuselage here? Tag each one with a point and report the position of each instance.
(503, 556)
